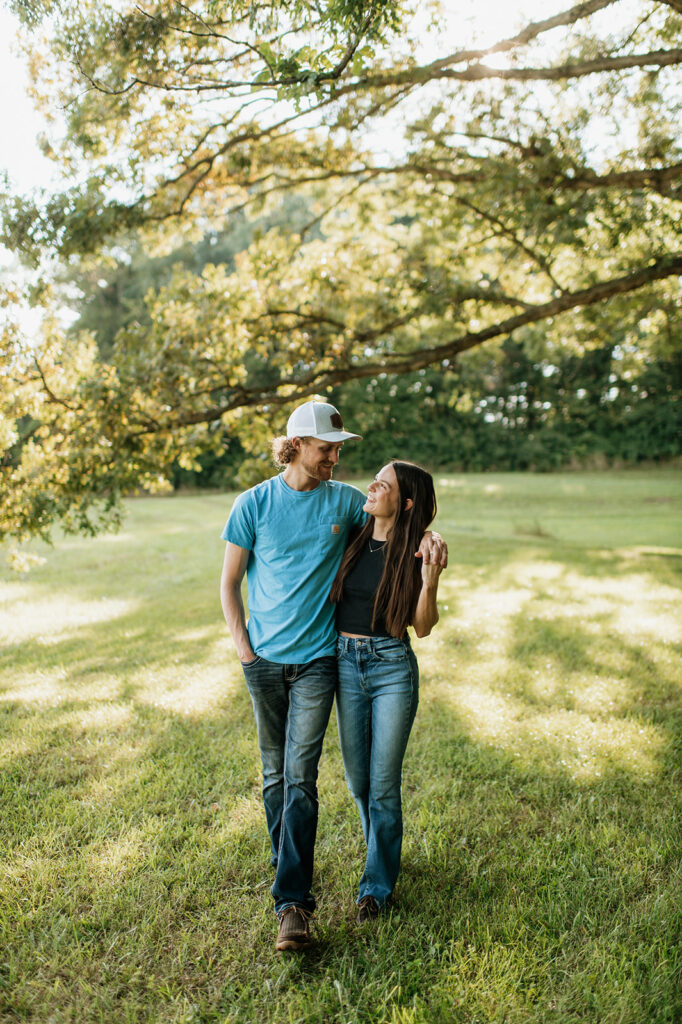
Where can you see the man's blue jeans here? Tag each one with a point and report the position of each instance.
(376, 701)
(292, 704)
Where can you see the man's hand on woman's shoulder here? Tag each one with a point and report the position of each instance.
(433, 549)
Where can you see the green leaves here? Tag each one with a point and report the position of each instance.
(430, 208)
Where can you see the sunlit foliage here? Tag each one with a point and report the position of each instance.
(457, 195)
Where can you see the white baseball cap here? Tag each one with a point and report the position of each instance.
(320, 420)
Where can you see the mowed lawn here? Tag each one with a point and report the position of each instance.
(541, 873)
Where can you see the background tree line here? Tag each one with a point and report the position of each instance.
(504, 412)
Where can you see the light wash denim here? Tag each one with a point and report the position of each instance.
(292, 704)
(376, 701)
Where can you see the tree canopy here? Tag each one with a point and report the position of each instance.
(458, 194)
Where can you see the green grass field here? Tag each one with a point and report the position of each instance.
(541, 873)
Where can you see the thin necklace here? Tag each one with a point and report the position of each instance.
(380, 544)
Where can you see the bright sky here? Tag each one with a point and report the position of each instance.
(19, 123)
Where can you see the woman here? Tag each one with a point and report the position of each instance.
(380, 589)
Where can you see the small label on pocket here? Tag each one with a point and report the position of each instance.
(336, 528)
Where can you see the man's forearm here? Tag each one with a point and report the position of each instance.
(235, 617)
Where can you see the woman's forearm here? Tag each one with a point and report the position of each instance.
(426, 615)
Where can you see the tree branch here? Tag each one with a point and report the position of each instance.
(48, 390)
(337, 71)
(479, 72)
(509, 233)
(420, 76)
(658, 178)
(532, 31)
(667, 266)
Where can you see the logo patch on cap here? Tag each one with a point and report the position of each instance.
(336, 421)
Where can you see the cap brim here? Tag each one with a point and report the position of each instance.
(337, 435)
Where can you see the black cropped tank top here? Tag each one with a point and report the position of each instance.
(356, 607)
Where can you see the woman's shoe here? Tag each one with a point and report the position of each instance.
(368, 909)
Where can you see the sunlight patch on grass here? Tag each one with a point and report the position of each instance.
(244, 816)
(599, 694)
(49, 689)
(111, 859)
(540, 634)
(488, 714)
(14, 591)
(102, 716)
(586, 746)
(44, 620)
(637, 552)
(450, 482)
(188, 690)
(204, 633)
(637, 604)
(651, 612)
(246, 811)
(15, 747)
(531, 572)
(41, 688)
(118, 775)
(480, 606)
(76, 543)
(574, 741)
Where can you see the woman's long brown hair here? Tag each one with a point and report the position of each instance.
(400, 583)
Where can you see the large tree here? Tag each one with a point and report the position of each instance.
(465, 193)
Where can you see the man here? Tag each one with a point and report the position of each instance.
(288, 534)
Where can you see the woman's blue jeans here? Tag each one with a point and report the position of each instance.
(376, 701)
(292, 704)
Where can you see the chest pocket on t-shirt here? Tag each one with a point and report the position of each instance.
(333, 533)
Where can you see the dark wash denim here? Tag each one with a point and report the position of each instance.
(376, 702)
(292, 704)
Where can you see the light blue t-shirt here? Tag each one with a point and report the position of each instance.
(296, 540)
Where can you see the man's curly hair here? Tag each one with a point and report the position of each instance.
(283, 450)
